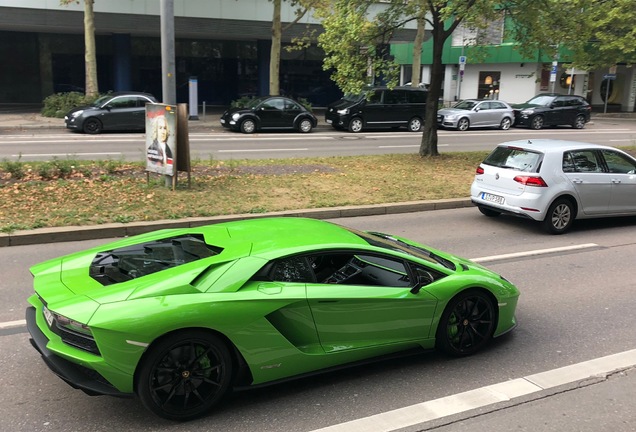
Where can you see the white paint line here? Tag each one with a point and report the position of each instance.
(534, 252)
(261, 150)
(399, 146)
(484, 396)
(12, 324)
(65, 154)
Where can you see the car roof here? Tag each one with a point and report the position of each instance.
(552, 145)
(130, 93)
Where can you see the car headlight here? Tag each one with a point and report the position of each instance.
(450, 117)
(343, 111)
(527, 111)
(72, 325)
(77, 113)
(235, 116)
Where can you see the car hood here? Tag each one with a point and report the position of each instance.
(526, 106)
(83, 108)
(231, 111)
(452, 111)
(342, 103)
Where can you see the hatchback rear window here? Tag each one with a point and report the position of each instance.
(515, 158)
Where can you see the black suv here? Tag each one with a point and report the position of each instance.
(551, 109)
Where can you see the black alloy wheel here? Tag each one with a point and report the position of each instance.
(92, 126)
(467, 324)
(184, 375)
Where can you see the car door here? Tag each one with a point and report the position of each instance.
(270, 113)
(291, 111)
(120, 113)
(482, 114)
(584, 170)
(622, 174)
(556, 114)
(361, 300)
(374, 110)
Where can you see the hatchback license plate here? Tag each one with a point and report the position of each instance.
(48, 316)
(493, 198)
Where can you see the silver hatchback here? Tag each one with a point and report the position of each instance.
(474, 113)
(555, 182)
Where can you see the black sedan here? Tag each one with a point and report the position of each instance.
(113, 112)
(269, 112)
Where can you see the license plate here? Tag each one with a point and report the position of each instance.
(48, 316)
(328, 121)
(493, 198)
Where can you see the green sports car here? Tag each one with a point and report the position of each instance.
(181, 316)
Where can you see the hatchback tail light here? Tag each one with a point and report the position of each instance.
(479, 170)
(531, 181)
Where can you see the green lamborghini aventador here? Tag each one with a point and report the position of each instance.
(180, 317)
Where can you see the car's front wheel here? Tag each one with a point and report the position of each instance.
(184, 375)
(415, 124)
(463, 124)
(579, 122)
(92, 126)
(505, 123)
(248, 126)
(305, 126)
(536, 122)
(467, 324)
(560, 216)
(355, 125)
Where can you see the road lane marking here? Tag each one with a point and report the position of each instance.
(535, 252)
(12, 324)
(481, 397)
(261, 150)
(66, 154)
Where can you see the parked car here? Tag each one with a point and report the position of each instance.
(120, 111)
(555, 182)
(180, 316)
(474, 113)
(379, 107)
(269, 112)
(551, 109)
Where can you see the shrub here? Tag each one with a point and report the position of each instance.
(58, 104)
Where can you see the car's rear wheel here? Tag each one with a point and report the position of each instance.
(536, 122)
(248, 126)
(467, 324)
(184, 375)
(579, 122)
(560, 216)
(463, 124)
(488, 212)
(415, 124)
(305, 126)
(505, 123)
(92, 126)
(355, 125)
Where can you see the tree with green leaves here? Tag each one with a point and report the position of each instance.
(90, 54)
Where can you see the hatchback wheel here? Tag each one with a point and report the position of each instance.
(467, 324)
(355, 125)
(184, 375)
(415, 124)
(463, 124)
(536, 122)
(248, 126)
(560, 217)
(579, 122)
(305, 126)
(505, 124)
(92, 126)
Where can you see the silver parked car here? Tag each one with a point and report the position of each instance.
(555, 182)
(474, 113)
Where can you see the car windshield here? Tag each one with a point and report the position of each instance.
(352, 97)
(466, 105)
(514, 158)
(543, 100)
(387, 241)
(101, 101)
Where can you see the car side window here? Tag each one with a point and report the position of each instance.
(292, 269)
(394, 97)
(483, 106)
(292, 106)
(497, 105)
(376, 97)
(274, 104)
(359, 269)
(618, 163)
(123, 102)
(581, 161)
(559, 102)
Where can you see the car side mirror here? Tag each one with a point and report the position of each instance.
(423, 279)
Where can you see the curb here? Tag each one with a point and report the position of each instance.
(78, 233)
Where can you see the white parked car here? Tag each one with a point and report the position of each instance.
(473, 113)
(555, 182)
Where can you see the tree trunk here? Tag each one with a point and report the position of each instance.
(274, 61)
(416, 77)
(90, 56)
(428, 146)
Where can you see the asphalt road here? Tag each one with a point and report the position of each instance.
(218, 144)
(576, 305)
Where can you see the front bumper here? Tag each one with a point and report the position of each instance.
(77, 376)
(71, 123)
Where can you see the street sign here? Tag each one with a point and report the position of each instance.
(462, 60)
(609, 76)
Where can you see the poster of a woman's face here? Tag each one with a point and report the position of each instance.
(160, 139)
